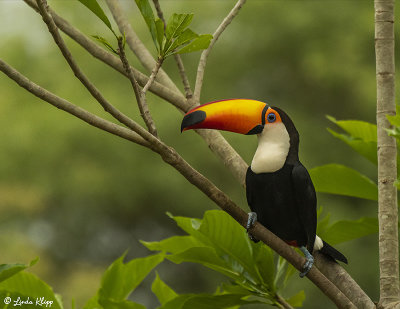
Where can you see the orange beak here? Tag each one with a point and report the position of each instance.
(236, 115)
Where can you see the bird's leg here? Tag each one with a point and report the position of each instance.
(250, 222)
(308, 264)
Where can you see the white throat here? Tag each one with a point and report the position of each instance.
(273, 148)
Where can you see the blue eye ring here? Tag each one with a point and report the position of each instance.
(271, 117)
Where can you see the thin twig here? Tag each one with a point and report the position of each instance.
(204, 55)
(178, 59)
(153, 75)
(136, 45)
(170, 156)
(70, 108)
(214, 139)
(139, 94)
(284, 304)
(108, 107)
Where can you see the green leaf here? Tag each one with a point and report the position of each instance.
(202, 42)
(184, 38)
(264, 259)
(98, 11)
(176, 24)
(121, 279)
(342, 180)
(173, 244)
(147, 13)
(357, 129)
(345, 230)
(9, 270)
(160, 32)
(207, 301)
(297, 299)
(105, 43)
(365, 148)
(26, 285)
(163, 292)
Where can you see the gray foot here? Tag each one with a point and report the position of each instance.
(250, 222)
(308, 264)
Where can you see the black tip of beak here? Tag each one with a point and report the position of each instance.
(192, 119)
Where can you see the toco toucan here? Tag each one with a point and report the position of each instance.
(279, 189)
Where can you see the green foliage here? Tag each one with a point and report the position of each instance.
(174, 37)
(342, 180)
(218, 242)
(21, 286)
(98, 11)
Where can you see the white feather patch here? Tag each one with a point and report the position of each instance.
(318, 244)
(273, 148)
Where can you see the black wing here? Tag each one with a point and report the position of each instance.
(306, 202)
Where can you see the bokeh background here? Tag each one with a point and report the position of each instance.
(78, 197)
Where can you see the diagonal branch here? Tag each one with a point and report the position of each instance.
(70, 108)
(204, 55)
(108, 107)
(170, 156)
(139, 94)
(136, 45)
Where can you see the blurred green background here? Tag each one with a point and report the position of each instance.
(78, 197)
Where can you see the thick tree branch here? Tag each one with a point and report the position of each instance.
(136, 45)
(170, 156)
(214, 139)
(387, 153)
(339, 277)
(71, 108)
(204, 55)
(139, 94)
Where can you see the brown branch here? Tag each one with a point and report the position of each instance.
(108, 107)
(339, 277)
(153, 75)
(136, 45)
(139, 94)
(70, 108)
(204, 55)
(178, 59)
(170, 156)
(387, 153)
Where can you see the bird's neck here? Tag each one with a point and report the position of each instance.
(273, 149)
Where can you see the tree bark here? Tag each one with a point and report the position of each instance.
(387, 153)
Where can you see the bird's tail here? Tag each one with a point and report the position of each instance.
(331, 252)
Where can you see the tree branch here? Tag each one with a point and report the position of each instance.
(136, 45)
(70, 108)
(204, 55)
(170, 156)
(139, 94)
(108, 107)
(387, 153)
(214, 139)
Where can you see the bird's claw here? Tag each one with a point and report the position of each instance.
(308, 264)
(252, 218)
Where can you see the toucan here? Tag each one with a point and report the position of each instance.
(279, 189)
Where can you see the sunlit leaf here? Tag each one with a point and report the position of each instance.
(163, 292)
(98, 11)
(184, 38)
(357, 129)
(176, 24)
(105, 43)
(147, 13)
(160, 32)
(202, 42)
(346, 230)
(26, 285)
(173, 244)
(121, 279)
(9, 270)
(342, 180)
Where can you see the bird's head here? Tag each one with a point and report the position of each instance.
(236, 115)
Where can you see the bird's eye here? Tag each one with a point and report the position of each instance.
(271, 117)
